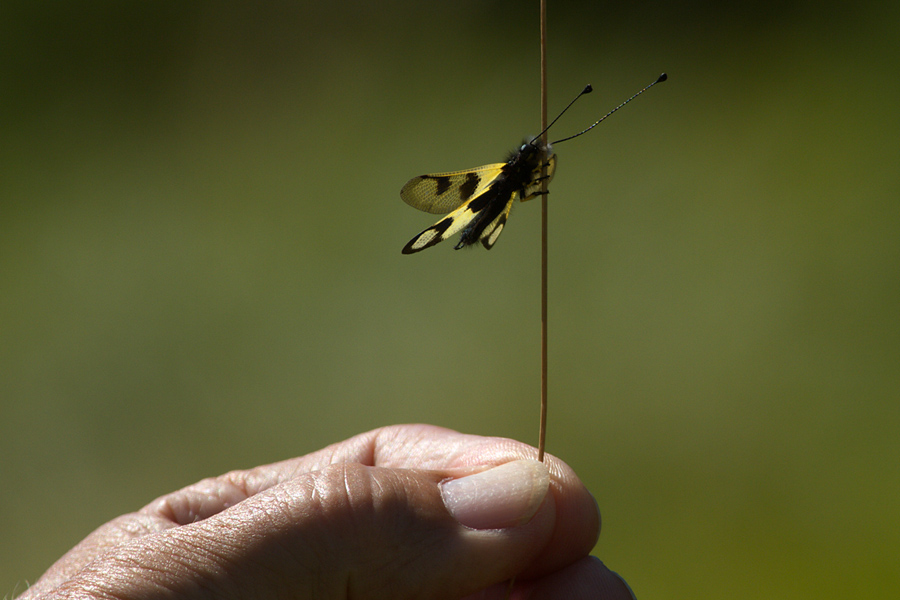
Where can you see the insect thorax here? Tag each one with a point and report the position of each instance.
(522, 164)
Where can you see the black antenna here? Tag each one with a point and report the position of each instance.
(660, 79)
(587, 90)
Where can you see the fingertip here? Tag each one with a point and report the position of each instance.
(586, 579)
(621, 580)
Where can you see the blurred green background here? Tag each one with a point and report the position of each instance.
(200, 268)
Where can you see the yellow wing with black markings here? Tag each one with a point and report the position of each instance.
(479, 200)
(440, 193)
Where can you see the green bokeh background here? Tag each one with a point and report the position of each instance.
(200, 266)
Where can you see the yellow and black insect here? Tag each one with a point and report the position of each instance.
(479, 199)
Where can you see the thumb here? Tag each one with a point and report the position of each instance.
(350, 531)
(393, 533)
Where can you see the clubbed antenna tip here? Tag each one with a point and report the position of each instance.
(659, 79)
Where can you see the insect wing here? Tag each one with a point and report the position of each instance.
(453, 223)
(440, 193)
(492, 231)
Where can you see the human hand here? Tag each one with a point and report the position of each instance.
(408, 511)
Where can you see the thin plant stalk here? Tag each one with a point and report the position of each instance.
(542, 435)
